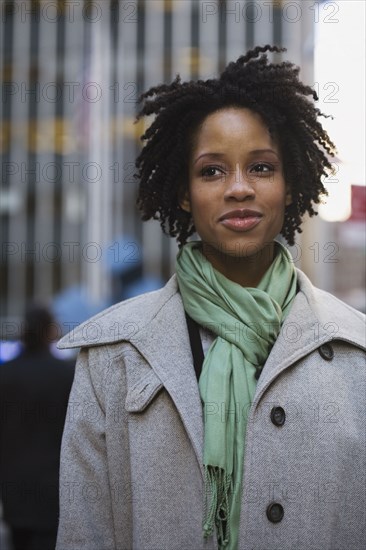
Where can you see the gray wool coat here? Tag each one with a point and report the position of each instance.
(131, 462)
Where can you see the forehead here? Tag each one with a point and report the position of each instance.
(232, 126)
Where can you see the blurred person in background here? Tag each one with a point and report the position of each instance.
(34, 391)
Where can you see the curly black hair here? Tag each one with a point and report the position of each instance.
(272, 90)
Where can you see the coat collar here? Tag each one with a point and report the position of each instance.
(316, 316)
(166, 347)
(155, 324)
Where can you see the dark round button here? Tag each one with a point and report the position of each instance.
(275, 512)
(326, 351)
(278, 416)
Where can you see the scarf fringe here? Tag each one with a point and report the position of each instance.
(217, 509)
(209, 296)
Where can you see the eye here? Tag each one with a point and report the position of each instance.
(211, 171)
(262, 168)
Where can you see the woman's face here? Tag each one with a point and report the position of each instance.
(237, 193)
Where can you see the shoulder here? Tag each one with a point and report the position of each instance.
(349, 323)
(125, 320)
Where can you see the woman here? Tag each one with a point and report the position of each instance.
(226, 409)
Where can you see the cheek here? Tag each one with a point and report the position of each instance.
(276, 207)
(202, 211)
(199, 215)
(201, 200)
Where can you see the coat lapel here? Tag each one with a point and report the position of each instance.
(311, 322)
(294, 341)
(157, 327)
(167, 349)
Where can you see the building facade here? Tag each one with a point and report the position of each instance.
(72, 71)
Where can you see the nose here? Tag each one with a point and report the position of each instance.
(238, 186)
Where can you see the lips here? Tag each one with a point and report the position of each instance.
(241, 213)
(241, 220)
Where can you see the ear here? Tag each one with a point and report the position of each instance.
(184, 201)
(288, 199)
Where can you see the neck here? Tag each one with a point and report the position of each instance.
(246, 271)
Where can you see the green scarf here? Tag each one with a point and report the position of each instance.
(247, 322)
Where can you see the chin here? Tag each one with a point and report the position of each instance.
(238, 248)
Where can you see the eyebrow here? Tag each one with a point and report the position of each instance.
(221, 155)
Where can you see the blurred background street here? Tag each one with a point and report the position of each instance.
(72, 71)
